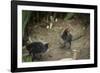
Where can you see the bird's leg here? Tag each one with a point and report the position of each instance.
(33, 57)
(69, 45)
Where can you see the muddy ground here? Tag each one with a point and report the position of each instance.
(53, 37)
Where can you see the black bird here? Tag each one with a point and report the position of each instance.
(67, 37)
(36, 48)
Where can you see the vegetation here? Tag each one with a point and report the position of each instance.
(45, 21)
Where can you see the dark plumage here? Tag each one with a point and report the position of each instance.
(36, 48)
(67, 37)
